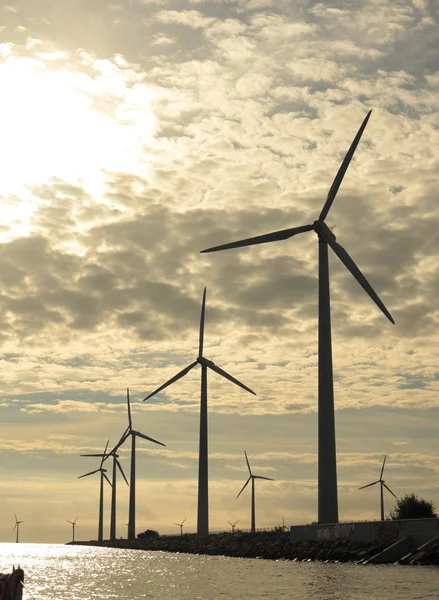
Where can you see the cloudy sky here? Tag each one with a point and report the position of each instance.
(134, 134)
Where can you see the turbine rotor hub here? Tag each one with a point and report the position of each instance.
(323, 231)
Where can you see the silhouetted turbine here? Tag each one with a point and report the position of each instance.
(73, 524)
(103, 472)
(327, 467)
(233, 525)
(129, 431)
(181, 525)
(203, 479)
(252, 478)
(17, 527)
(117, 464)
(382, 486)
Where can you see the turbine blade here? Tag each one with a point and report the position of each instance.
(248, 464)
(175, 378)
(87, 474)
(220, 371)
(99, 455)
(13, 529)
(342, 170)
(260, 477)
(76, 518)
(389, 490)
(352, 267)
(183, 520)
(178, 524)
(203, 313)
(130, 424)
(145, 437)
(382, 470)
(105, 475)
(275, 236)
(15, 517)
(230, 523)
(368, 485)
(71, 522)
(105, 452)
(121, 470)
(244, 486)
(121, 441)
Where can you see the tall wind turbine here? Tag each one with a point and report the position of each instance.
(17, 527)
(252, 478)
(73, 524)
(181, 525)
(102, 472)
(382, 486)
(327, 462)
(117, 464)
(233, 525)
(129, 431)
(203, 480)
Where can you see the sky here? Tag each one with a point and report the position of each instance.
(135, 134)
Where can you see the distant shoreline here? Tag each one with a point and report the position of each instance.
(268, 545)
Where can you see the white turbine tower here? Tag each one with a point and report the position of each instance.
(252, 479)
(203, 479)
(17, 527)
(382, 486)
(129, 431)
(327, 462)
(103, 475)
(73, 524)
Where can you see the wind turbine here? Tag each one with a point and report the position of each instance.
(327, 462)
(129, 431)
(233, 525)
(103, 472)
(181, 525)
(117, 464)
(73, 524)
(382, 485)
(17, 527)
(203, 485)
(252, 478)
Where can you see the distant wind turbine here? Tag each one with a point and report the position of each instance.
(73, 524)
(327, 462)
(129, 431)
(102, 472)
(382, 485)
(181, 525)
(252, 478)
(203, 485)
(233, 525)
(17, 527)
(117, 464)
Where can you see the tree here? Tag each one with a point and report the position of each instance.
(412, 507)
(149, 533)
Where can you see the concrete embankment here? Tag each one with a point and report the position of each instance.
(270, 545)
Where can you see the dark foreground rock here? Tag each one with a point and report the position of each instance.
(272, 545)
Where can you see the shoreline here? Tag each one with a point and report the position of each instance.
(272, 545)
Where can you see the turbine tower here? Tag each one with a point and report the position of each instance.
(327, 462)
(203, 479)
(252, 478)
(233, 525)
(129, 431)
(181, 525)
(103, 472)
(17, 527)
(73, 524)
(382, 486)
(117, 464)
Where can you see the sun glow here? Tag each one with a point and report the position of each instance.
(73, 124)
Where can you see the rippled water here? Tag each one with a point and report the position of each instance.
(56, 572)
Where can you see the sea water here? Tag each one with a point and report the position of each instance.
(57, 572)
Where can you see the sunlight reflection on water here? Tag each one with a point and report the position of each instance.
(56, 572)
